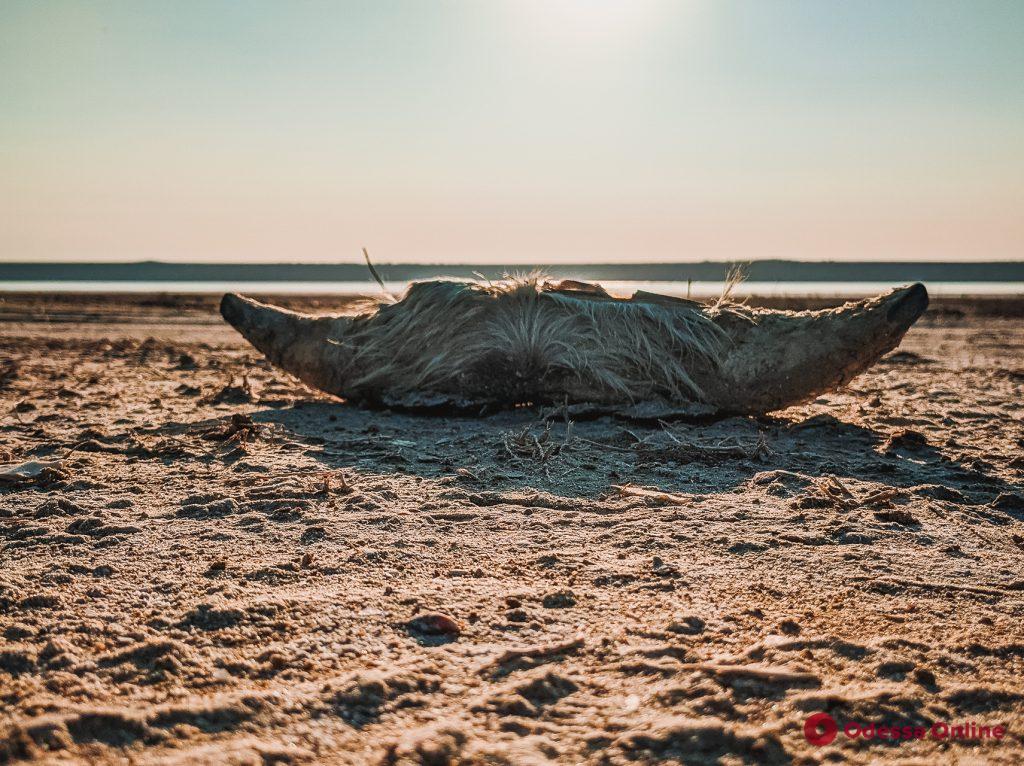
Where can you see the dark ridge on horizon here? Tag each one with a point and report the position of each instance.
(704, 271)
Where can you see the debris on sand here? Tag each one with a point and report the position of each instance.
(905, 438)
(33, 471)
(239, 428)
(670, 444)
(334, 482)
(525, 445)
(628, 490)
(434, 624)
(832, 492)
(882, 496)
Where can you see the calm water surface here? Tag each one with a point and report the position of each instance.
(695, 289)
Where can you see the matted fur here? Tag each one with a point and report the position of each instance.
(526, 339)
(465, 344)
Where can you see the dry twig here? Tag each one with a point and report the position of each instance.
(652, 494)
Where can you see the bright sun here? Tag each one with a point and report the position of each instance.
(589, 21)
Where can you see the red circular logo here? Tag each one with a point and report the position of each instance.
(820, 729)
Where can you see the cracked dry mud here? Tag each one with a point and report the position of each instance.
(222, 566)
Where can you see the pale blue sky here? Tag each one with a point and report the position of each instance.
(511, 130)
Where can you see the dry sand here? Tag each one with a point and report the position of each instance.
(225, 567)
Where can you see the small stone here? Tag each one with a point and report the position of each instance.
(517, 615)
(905, 438)
(896, 516)
(662, 569)
(849, 537)
(688, 625)
(312, 535)
(789, 627)
(434, 624)
(560, 599)
(925, 677)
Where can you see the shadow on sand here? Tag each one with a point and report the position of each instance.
(520, 451)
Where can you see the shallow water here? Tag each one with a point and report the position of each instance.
(695, 289)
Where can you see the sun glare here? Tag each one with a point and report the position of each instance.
(593, 22)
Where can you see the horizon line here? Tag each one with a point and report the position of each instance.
(550, 264)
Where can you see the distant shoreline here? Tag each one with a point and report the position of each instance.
(704, 271)
(25, 308)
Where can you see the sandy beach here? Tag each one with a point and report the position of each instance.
(219, 565)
